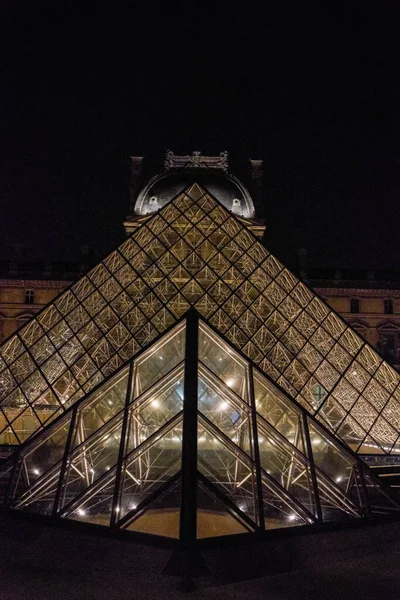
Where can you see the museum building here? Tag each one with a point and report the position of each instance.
(189, 386)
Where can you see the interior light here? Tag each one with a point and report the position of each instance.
(155, 403)
(133, 507)
(36, 471)
(81, 512)
(117, 509)
(109, 402)
(202, 438)
(339, 479)
(161, 357)
(354, 372)
(230, 382)
(224, 405)
(316, 441)
(292, 517)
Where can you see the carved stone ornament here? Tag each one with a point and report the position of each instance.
(196, 160)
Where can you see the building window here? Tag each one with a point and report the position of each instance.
(29, 297)
(354, 305)
(388, 306)
(389, 344)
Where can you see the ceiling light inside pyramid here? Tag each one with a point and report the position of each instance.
(194, 242)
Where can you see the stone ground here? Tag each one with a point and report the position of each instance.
(46, 563)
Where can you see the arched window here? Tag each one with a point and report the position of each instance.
(389, 342)
(388, 306)
(354, 305)
(29, 297)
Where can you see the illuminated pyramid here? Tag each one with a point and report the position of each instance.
(190, 386)
(197, 250)
(189, 441)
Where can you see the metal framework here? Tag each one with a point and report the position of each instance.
(195, 253)
(189, 440)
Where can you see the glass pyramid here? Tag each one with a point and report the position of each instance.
(195, 253)
(190, 440)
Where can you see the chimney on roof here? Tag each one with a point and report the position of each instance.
(256, 167)
(136, 171)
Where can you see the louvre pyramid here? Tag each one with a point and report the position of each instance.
(195, 253)
(188, 440)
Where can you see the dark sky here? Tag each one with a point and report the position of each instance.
(315, 94)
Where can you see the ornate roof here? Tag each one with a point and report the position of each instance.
(211, 172)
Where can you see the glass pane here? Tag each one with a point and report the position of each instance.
(101, 406)
(97, 507)
(279, 510)
(330, 458)
(285, 464)
(43, 454)
(40, 497)
(223, 361)
(151, 466)
(162, 517)
(91, 460)
(159, 359)
(335, 504)
(279, 411)
(233, 474)
(225, 410)
(155, 408)
(214, 518)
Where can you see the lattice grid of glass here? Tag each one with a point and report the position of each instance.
(196, 253)
(263, 463)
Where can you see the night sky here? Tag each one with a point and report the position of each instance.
(315, 94)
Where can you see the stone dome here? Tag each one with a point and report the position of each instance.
(226, 188)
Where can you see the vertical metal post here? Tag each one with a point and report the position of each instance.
(260, 502)
(312, 467)
(64, 461)
(188, 514)
(115, 507)
(366, 498)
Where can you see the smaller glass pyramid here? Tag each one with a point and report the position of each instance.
(190, 440)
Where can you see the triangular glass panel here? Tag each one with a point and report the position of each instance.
(102, 406)
(161, 516)
(223, 361)
(91, 460)
(40, 456)
(149, 466)
(279, 412)
(96, 506)
(226, 468)
(225, 410)
(286, 465)
(157, 406)
(159, 359)
(214, 517)
(40, 497)
(280, 510)
(330, 458)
